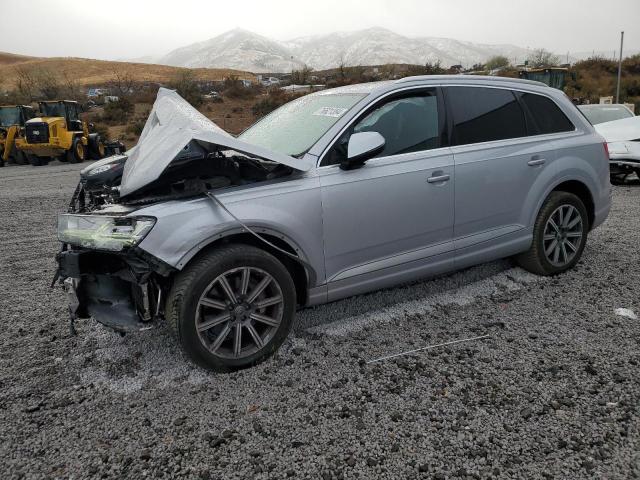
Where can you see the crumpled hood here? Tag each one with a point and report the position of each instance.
(620, 130)
(171, 125)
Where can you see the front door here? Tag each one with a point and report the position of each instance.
(392, 219)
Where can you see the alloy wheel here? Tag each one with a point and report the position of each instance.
(563, 235)
(239, 312)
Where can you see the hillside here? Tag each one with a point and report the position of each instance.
(12, 58)
(249, 51)
(86, 72)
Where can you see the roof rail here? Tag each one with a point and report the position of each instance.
(478, 78)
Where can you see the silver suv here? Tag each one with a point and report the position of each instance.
(337, 193)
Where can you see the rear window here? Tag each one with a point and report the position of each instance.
(484, 114)
(545, 116)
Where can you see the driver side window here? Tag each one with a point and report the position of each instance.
(408, 124)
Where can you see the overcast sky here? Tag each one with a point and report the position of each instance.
(116, 29)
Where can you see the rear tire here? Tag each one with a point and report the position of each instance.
(559, 235)
(96, 147)
(219, 290)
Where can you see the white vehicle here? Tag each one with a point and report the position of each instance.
(623, 141)
(602, 113)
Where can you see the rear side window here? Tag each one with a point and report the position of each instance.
(485, 114)
(544, 115)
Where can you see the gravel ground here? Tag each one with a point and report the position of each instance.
(553, 392)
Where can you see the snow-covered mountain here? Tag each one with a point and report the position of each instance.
(245, 50)
(239, 49)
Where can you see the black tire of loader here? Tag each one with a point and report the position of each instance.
(73, 154)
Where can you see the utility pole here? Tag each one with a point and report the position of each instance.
(619, 68)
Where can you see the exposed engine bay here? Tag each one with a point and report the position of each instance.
(180, 154)
(193, 171)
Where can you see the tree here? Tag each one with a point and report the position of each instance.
(26, 83)
(71, 87)
(48, 85)
(301, 76)
(122, 83)
(342, 70)
(187, 87)
(434, 68)
(428, 68)
(543, 58)
(499, 61)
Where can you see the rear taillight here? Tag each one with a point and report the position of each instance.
(606, 149)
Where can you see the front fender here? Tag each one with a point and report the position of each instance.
(289, 210)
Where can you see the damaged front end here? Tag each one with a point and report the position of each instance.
(180, 155)
(121, 290)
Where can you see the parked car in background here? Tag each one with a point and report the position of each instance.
(623, 141)
(334, 194)
(601, 113)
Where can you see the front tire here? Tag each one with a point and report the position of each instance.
(559, 235)
(34, 160)
(77, 152)
(232, 308)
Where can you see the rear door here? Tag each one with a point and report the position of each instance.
(497, 164)
(392, 219)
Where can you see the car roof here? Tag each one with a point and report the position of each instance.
(385, 85)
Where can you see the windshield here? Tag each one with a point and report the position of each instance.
(52, 110)
(605, 113)
(9, 116)
(293, 128)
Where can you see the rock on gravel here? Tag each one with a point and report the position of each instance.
(552, 393)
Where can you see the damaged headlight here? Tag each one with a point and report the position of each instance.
(103, 232)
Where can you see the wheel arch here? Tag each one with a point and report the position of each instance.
(301, 273)
(571, 184)
(580, 190)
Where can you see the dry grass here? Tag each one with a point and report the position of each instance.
(12, 58)
(233, 115)
(88, 72)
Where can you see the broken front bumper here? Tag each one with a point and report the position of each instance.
(122, 291)
(624, 157)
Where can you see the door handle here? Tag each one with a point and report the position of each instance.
(438, 178)
(536, 160)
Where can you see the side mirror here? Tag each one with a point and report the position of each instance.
(362, 146)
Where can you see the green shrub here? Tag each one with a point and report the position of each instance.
(274, 99)
(233, 88)
(117, 112)
(187, 87)
(136, 127)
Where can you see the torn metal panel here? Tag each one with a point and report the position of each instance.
(172, 124)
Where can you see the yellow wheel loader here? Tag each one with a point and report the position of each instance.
(59, 133)
(12, 120)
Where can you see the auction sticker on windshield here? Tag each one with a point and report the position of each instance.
(330, 112)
